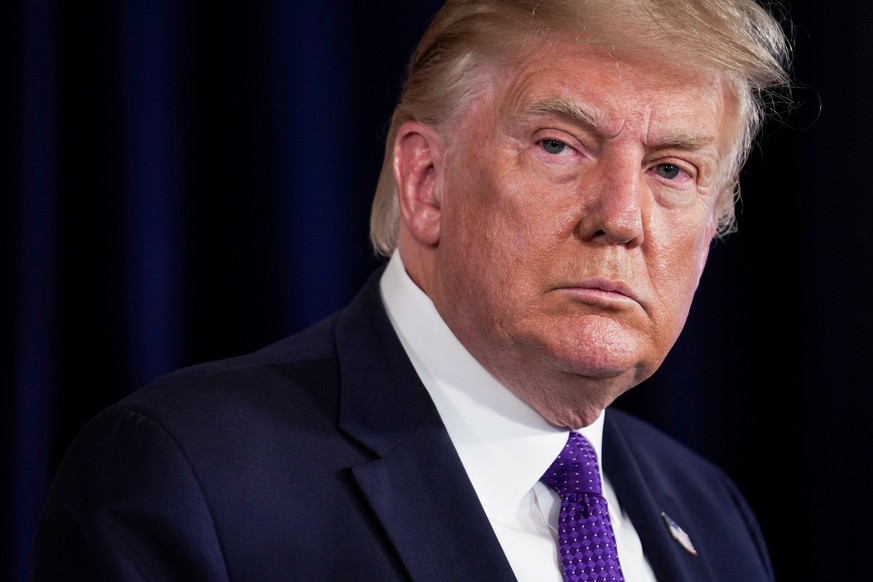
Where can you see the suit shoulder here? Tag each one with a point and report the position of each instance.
(299, 371)
(653, 447)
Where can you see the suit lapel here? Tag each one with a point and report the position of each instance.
(416, 486)
(425, 503)
(669, 559)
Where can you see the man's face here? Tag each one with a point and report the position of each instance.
(576, 213)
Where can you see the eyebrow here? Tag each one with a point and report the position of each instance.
(571, 111)
(582, 114)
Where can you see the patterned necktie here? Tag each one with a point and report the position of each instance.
(585, 536)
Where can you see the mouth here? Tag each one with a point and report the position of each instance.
(603, 292)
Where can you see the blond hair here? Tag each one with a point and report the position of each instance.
(737, 39)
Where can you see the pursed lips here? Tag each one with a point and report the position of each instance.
(600, 291)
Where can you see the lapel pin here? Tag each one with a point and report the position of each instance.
(679, 534)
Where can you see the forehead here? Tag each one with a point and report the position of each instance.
(612, 95)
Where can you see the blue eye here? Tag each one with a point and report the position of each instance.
(553, 146)
(668, 171)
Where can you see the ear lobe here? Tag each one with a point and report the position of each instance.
(418, 155)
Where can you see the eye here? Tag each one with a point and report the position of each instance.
(553, 146)
(668, 171)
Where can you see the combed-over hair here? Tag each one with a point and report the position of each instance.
(737, 39)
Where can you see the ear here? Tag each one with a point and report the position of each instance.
(418, 157)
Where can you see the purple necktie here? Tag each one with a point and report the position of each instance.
(585, 536)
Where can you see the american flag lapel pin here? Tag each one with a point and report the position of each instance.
(679, 534)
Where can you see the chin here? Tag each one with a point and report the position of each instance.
(596, 345)
(597, 362)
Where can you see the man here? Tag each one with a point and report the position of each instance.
(554, 176)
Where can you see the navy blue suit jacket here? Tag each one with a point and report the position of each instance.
(322, 457)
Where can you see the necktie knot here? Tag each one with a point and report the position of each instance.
(575, 470)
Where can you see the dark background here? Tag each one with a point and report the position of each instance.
(185, 180)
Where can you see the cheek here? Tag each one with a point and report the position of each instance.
(486, 221)
(505, 228)
(486, 269)
(677, 270)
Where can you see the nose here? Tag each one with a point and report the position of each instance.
(613, 206)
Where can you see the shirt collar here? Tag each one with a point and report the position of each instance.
(504, 445)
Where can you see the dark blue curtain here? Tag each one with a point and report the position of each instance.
(184, 181)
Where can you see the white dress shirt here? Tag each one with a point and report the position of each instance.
(504, 445)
